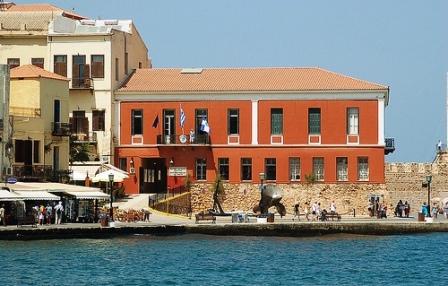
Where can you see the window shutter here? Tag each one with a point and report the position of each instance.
(72, 125)
(86, 76)
(85, 125)
(75, 75)
(95, 121)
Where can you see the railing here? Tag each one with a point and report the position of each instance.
(172, 192)
(175, 202)
(60, 129)
(199, 139)
(389, 145)
(89, 137)
(82, 83)
(39, 173)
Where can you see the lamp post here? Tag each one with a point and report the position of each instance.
(111, 181)
(428, 185)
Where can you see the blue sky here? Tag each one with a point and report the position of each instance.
(402, 44)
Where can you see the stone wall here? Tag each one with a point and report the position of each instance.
(403, 182)
(245, 196)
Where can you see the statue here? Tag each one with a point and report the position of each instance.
(270, 196)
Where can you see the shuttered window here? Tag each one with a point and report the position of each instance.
(318, 168)
(98, 118)
(60, 65)
(352, 121)
(276, 121)
(38, 62)
(97, 63)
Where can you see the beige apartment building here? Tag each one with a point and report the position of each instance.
(38, 105)
(95, 55)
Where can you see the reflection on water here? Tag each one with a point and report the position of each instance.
(217, 260)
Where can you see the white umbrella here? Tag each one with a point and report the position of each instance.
(104, 176)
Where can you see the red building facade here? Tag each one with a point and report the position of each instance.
(294, 125)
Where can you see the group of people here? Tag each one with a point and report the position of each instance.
(315, 212)
(377, 209)
(45, 214)
(435, 210)
(402, 209)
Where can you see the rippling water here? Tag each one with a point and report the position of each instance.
(210, 260)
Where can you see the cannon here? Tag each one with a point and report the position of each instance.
(271, 195)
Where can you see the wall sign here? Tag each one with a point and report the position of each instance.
(177, 171)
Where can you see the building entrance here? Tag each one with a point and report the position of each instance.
(153, 175)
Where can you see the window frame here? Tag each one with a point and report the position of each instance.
(366, 176)
(133, 116)
(56, 70)
(270, 163)
(274, 122)
(11, 66)
(93, 68)
(201, 169)
(100, 123)
(318, 177)
(122, 160)
(246, 163)
(297, 167)
(340, 176)
(356, 119)
(36, 64)
(231, 116)
(224, 163)
(314, 130)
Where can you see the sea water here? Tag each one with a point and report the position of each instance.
(237, 260)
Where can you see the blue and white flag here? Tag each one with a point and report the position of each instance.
(204, 126)
(182, 117)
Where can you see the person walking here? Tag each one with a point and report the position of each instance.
(2, 215)
(407, 209)
(296, 211)
(59, 210)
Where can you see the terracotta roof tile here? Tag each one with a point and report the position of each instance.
(243, 80)
(30, 71)
(43, 7)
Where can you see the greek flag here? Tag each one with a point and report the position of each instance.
(182, 117)
(204, 126)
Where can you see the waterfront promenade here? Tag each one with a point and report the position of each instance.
(161, 224)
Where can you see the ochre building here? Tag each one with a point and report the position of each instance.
(285, 125)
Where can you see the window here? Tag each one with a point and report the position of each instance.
(294, 169)
(56, 158)
(201, 114)
(363, 168)
(57, 111)
(97, 62)
(246, 169)
(79, 122)
(13, 62)
(352, 121)
(126, 61)
(137, 122)
(117, 69)
(98, 118)
(270, 169)
(201, 169)
(318, 168)
(342, 168)
(60, 65)
(123, 164)
(233, 121)
(276, 121)
(36, 151)
(139, 65)
(80, 71)
(19, 151)
(223, 166)
(169, 122)
(314, 121)
(38, 62)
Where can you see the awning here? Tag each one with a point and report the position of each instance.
(104, 176)
(37, 196)
(6, 195)
(89, 195)
(79, 173)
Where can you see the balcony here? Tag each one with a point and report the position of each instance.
(194, 139)
(39, 173)
(389, 146)
(82, 83)
(87, 137)
(60, 129)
